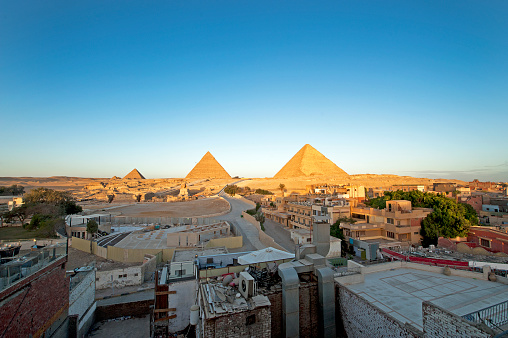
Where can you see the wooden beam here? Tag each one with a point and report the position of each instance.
(165, 318)
(158, 293)
(164, 310)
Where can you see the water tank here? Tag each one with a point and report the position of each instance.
(194, 315)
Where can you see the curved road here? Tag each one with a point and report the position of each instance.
(249, 232)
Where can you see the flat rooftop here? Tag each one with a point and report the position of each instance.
(400, 293)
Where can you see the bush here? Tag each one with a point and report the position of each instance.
(37, 220)
(263, 192)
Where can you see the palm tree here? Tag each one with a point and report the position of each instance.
(92, 227)
(281, 188)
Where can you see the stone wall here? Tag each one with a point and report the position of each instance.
(263, 237)
(81, 302)
(361, 319)
(253, 323)
(438, 322)
(119, 277)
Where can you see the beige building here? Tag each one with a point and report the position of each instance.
(197, 235)
(398, 221)
(300, 215)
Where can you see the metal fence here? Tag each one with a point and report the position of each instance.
(493, 316)
(29, 264)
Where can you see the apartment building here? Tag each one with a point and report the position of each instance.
(398, 221)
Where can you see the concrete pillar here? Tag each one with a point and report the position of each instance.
(290, 301)
(326, 290)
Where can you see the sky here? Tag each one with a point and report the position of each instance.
(97, 88)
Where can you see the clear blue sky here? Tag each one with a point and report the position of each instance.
(96, 88)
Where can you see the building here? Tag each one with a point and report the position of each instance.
(408, 187)
(444, 187)
(405, 299)
(493, 240)
(82, 303)
(34, 294)
(300, 215)
(398, 221)
(477, 185)
(190, 236)
(16, 202)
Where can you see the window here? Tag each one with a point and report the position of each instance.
(125, 275)
(416, 233)
(389, 221)
(390, 234)
(119, 276)
(485, 242)
(250, 320)
(136, 274)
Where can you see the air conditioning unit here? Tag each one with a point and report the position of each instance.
(246, 285)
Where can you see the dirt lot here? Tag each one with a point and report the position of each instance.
(195, 208)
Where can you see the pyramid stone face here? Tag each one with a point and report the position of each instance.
(208, 167)
(134, 174)
(309, 162)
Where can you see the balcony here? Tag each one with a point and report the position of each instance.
(22, 267)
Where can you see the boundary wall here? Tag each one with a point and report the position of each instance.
(263, 237)
(121, 254)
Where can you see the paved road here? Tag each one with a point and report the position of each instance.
(249, 232)
(280, 235)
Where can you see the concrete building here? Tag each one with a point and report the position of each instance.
(191, 236)
(16, 202)
(408, 187)
(34, 295)
(403, 299)
(300, 215)
(82, 303)
(398, 221)
(493, 240)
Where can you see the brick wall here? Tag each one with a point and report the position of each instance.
(438, 322)
(497, 242)
(360, 319)
(236, 324)
(135, 309)
(34, 304)
(309, 310)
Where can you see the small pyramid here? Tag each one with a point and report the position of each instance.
(208, 167)
(309, 162)
(134, 174)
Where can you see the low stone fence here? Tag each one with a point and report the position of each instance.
(263, 237)
(121, 254)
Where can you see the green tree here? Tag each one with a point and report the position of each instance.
(281, 188)
(448, 218)
(92, 227)
(337, 232)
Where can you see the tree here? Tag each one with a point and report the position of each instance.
(337, 232)
(92, 227)
(281, 188)
(448, 219)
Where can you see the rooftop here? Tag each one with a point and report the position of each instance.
(400, 293)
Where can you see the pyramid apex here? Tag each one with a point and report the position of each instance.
(208, 167)
(135, 174)
(309, 162)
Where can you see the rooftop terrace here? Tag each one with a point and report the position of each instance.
(400, 292)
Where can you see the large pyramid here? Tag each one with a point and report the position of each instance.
(135, 174)
(208, 167)
(309, 162)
